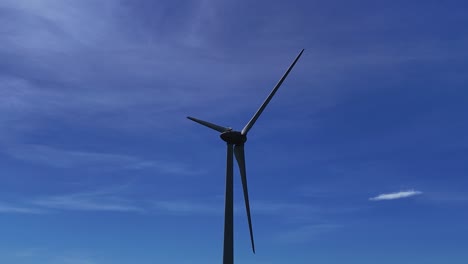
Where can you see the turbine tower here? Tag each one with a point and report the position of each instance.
(235, 144)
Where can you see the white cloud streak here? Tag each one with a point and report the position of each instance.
(48, 255)
(187, 207)
(258, 208)
(106, 200)
(88, 201)
(16, 209)
(396, 195)
(60, 158)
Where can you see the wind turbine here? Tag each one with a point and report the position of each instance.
(235, 143)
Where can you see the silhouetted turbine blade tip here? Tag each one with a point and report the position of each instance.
(208, 124)
(270, 96)
(240, 157)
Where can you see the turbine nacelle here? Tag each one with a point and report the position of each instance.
(233, 137)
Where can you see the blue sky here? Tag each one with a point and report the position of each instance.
(359, 158)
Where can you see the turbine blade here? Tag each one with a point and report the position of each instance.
(240, 157)
(210, 125)
(267, 100)
(228, 250)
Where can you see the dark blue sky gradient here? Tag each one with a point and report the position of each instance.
(99, 165)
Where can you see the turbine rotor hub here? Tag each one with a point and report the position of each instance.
(234, 137)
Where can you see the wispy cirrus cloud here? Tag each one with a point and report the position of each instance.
(61, 158)
(396, 195)
(104, 200)
(88, 201)
(119, 65)
(9, 208)
(210, 207)
(48, 255)
(125, 69)
(288, 211)
(187, 207)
